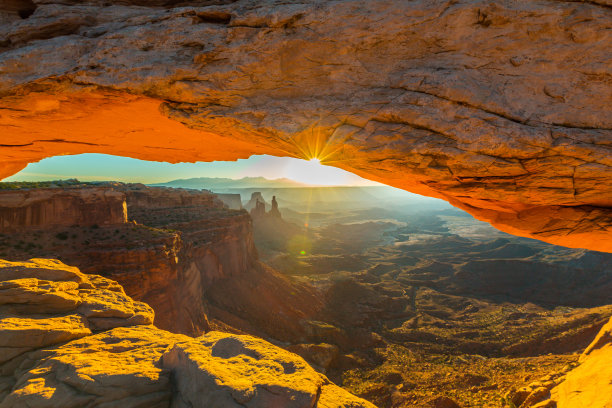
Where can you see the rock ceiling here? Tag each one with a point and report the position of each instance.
(503, 109)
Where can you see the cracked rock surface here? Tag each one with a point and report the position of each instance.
(68, 339)
(502, 109)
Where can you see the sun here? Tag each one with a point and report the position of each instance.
(314, 173)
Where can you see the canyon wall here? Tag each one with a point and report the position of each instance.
(233, 201)
(215, 243)
(502, 109)
(56, 207)
(143, 261)
(142, 198)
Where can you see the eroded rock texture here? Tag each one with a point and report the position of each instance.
(44, 302)
(71, 340)
(589, 385)
(502, 108)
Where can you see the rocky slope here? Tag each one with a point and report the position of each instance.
(144, 259)
(501, 109)
(69, 339)
(72, 340)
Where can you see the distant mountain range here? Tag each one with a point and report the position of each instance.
(304, 197)
(215, 183)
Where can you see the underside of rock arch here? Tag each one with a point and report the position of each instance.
(503, 109)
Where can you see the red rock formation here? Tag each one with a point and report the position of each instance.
(259, 210)
(255, 198)
(55, 207)
(144, 262)
(142, 198)
(274, 212)
(587, 385)
(11, 10)
(232, 201)
(502, 109)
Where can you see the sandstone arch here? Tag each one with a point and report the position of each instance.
(503, 108)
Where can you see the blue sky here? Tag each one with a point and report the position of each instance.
(90, 167)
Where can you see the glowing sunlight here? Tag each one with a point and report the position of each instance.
(314, 173)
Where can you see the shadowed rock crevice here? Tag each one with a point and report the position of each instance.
(213, 17)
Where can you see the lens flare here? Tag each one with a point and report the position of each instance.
(299, 245)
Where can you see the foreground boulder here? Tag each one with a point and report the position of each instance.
(502, 109)
(71, 340)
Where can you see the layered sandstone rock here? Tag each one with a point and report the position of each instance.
(274, 211)
(44, 302)
(52, 358)
(57, 207)
(144, 259)
(142, 198)
(502, 109)
(256, 197)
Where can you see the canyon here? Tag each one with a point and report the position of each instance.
(501, 109)
(181, 252)
(197, 265)
(462, 312)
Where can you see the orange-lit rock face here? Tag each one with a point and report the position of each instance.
(502, 109)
